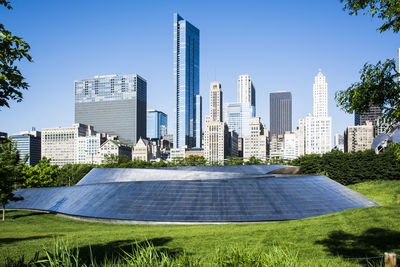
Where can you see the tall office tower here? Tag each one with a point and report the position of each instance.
(216, 134)
(257, 142)
(359, 138)
(114, 104)
(238, 116)
(317, 128)
(371, 115)
(280, 112)
(28, 145)
(246, 92)
(216, 101)
(157, 123)
(186, 71)
(320, 93)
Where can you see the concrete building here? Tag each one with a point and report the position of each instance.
(113, 104)
(277, 147)
(60, 144)
(291, 144)
(186, 71)
(88, 147)
(142, 150)
(280, 112)
(317, 127)
(359, 138)
(216, 131)
(176, 153)
(246, 92)
(29, 146)
(157, 124)
(112, 147)
(256, 144)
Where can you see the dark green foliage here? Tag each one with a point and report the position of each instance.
(387, 10)
(12, 50)
(234, 161)
(9, 172)
(41, 175)
(111, 160)
(378, 86)
(253, 161)
(351, 168)
(70, 174)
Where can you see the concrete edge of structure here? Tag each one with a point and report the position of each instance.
(288, 170)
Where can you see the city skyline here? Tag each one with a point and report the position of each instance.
(216, 61)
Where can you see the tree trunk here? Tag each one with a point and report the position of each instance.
(4, 212)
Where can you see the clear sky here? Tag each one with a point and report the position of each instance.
(280, 44)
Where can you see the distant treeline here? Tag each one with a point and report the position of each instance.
(351, 168)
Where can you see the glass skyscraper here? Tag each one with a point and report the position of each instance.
(238, 117)
(186, 71)
(280, 112)
(29, 145)
(113, 104)
(157, 123)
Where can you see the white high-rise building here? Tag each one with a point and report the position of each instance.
(246, 92)
(320, 93)
(256, 144)
(216, 131)
(315, 131)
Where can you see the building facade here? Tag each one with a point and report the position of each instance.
(29, 146)
(216, 131)
(359, 138)
(246, 92)
(257, 143)
(114, 104)
(280, 112)
(157, 124)
(276, 146)
(186, 71)
(60, 144)
(238, 117)
(142, 150)
(371, 115)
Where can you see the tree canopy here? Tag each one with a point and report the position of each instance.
(9, 172)
(387, 10)
(12, 50)
(378, 86)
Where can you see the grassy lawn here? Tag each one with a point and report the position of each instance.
(354, 233)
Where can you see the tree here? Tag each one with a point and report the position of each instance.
(12, 50)
(253, 161)
(387, 10)
(115, 159)
(41, 175)
(377, 86)
(9, 173)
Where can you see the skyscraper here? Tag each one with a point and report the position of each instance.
(157, 123)
(280, 112)
(28, 144)
(186, 71)
(113, 104)
(318, 127)
(238, 117)
(371, 115)
(246, 91)
(320, 94)
(216, 134)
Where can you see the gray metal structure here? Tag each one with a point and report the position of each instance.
(194, 195)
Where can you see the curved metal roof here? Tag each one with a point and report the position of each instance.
(217, 199)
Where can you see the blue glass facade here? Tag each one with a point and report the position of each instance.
(157, 124)
(237, 116)
(29, 146)
(186, 71)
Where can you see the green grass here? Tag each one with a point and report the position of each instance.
(353, 233)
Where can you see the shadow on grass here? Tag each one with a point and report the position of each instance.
(26, 214)
(371, 243)
(4, 241)
(114, 249)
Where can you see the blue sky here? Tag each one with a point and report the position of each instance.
(280, 44)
